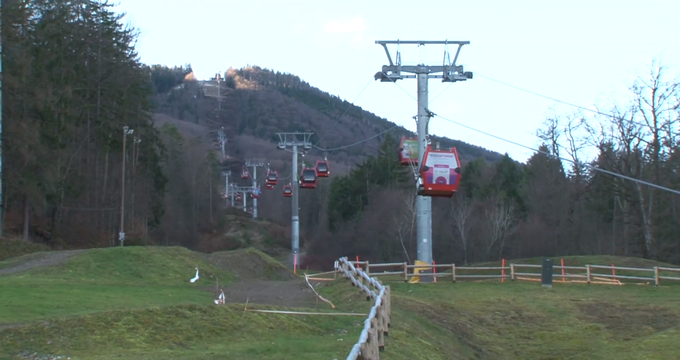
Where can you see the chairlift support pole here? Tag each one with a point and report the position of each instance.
(295, 140)
(227, 191)
(254, 164)
(450, 73)
(2, 203)
(244, 193)
(222, 138)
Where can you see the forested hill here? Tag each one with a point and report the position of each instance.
(262, 102)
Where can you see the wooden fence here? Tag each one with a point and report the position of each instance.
(376, 326)
(576, 274)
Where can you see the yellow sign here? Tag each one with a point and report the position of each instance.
(425, 267)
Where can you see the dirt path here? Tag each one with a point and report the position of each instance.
(47, 259)
(292, 293)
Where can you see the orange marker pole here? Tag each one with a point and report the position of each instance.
(614, 272)
(434, 268)
(503, 270)
(295, 264)
(562, 270)
(358, 266)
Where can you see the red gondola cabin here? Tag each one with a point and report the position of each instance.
(272, 178)
(255, 194)
(287, 191)
(408, 151)
(268, 186)
(308, 178)
(322, 169)
(440, 173)
(244, 174)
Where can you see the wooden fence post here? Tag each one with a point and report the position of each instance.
(405, 271)
(656, 276)
(380, 314)
(387, 302)
(369, 349)
(512, 272)
(588, 273)
(453, 272)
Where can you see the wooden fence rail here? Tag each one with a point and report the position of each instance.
(376, 326)
(579, 274)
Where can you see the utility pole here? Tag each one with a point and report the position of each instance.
(2, 79)
(222, 138)
(226, 184)
(295, 140)
(218, 76)
(244, 194)
(450, 73)
(254, 164)
(121, 235)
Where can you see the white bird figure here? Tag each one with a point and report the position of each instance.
(220, 298)
(195, 277)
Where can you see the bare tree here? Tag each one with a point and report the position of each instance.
(501, 217)
(405, 221)
(461, 210)
(654, 97)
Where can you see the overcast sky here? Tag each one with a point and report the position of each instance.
(581, 52)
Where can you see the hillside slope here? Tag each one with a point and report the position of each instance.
(260, 102)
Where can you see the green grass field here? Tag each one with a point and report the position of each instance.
(137, 302)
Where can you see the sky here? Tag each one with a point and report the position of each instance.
(576, 51)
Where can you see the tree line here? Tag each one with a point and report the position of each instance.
(72, 82)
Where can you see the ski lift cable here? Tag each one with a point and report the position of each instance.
(564, 159)
(546, 153)
(557, 100)
(362, 141)
(346, 110)
(367, 139)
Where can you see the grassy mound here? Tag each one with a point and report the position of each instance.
(106, 279)
(186, 332)
(11, 248)
(520, 320)
(135, 264)
(138, 303)
(251, 264)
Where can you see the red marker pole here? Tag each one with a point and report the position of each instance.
(434, 268)
(358, 266)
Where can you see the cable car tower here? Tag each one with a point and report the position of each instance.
(222, 138)
(295, 140)
(227, 189)
(213, 88)
(450, 72)
(254, 164)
